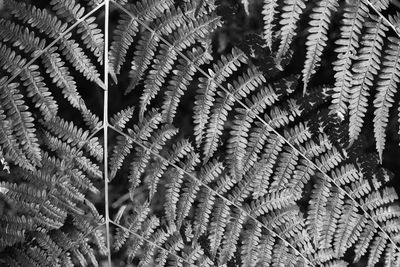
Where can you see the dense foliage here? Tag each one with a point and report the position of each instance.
(224, 133)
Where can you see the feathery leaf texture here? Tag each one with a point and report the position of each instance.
(259, 169)
(50, 164)
(237, 195)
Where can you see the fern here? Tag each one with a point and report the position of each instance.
(316, 41)
(222, 141)
(387, 81)
(253, 193)
(354, 16)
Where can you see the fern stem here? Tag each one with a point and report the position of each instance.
(270, 128)
(61, 35)
(226, 200)
(105, 130)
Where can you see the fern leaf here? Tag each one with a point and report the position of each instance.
(301, 175)
(137, 166)
(39, 93)
(316, 40)
(45, 22)
(269, 202)
(349, 228)
(124, 143)
(179, 150)
(145, 11)
(69, 133)
(284, 170)
(120, 119)
(92, 36)
(203, 211)
(266, 247)
(250, 245)
(13, 229)
(391, 255)
(182, 76)
(263, 169)
(183, 38)
(21, 121)
(241, 125)
(20, 37)
(149, 226)
(61, 77)
(37, 89)
(377, 248)
(174, 185)
(147, 45)
(268, 12)
(219, 221)
(346, 174)
(207, 174)
(354, 16)
(292, 10)
(10, 146)
(298, 134)
(386, 87)
(223, 104)
(333, 209)
(231, 237)
(206, 92)
(318, 202)
(329, 160)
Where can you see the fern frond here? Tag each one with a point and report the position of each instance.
(349, 229)
(268, 12)
(69, 133)
(182, 76)
(219, 221)
(377, 248)
(13, 229)
(386, 87)
(364, 241)
(174, 184)
(62, 78)
(241, 125)
(366, 67)
(316, 40)
(143, 156)
(269, 202)
(263, 169)
(318, 202)
(10, 145)
(124, 143)
(250, 245)
(206, 92)
(231, 237)
(120, 119)
(291, 12)
(42, 20)
(148, 43)
(146, 10)
(284, 169)
(183, 38)
(37, 90)
(92, 36)
(354, 15)
(331, 218)
(21, 121)
(223, 104)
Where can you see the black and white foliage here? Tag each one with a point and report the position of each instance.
(213, 150)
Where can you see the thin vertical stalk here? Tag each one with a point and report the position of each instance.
(105, 129)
